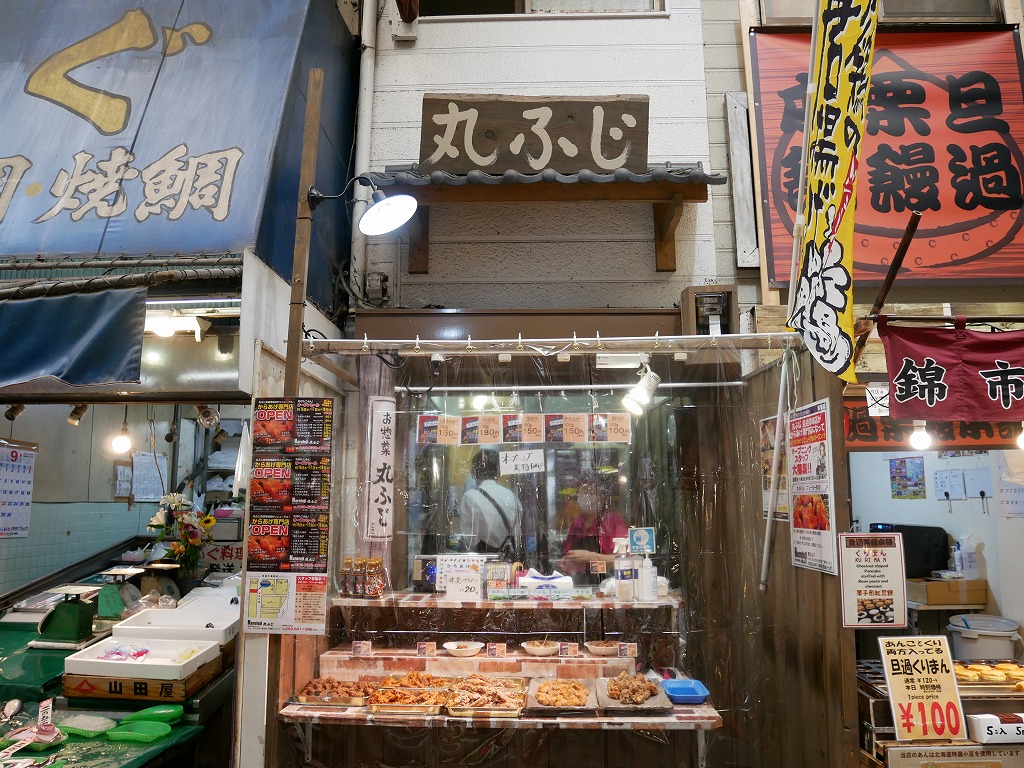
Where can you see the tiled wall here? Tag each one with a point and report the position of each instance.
(60, 534)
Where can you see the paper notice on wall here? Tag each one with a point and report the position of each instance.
(812, 519)
(149, 475)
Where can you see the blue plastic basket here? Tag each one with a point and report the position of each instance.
(685, 691)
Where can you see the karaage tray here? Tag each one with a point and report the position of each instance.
(561, 697)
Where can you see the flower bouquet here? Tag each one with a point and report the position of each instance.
(187, 529)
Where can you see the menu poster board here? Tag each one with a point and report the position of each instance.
(17, 470)
(906, 477)
(812, 523)
(269, 541)
(292, 425)
(308, 547)
(922, 689)
(285, 603)
(873, 585)
(379, 485)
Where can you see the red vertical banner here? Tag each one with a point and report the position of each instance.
(945, 126)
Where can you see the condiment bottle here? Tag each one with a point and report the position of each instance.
(374, 578)
(359, 578)
(346, 577)
(648, 580)
(623, 571)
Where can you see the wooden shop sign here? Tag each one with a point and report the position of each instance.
(492, 133)
(138, 689)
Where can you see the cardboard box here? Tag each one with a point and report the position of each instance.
(996, 729)
(947, 591)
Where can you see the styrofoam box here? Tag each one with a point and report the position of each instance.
(158, 664)
(996, 729)
(180, 624)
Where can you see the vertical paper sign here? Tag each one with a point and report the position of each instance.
(922, 689)
(874, 590)
(449, 430)
(812, 523)
(619, 426)
(533, 427)
(574, 427)
(379, 488)
(17, 468)
(470, 430)
(489, 432)
(554, 428)
(767, 447)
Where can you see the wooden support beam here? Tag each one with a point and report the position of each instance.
(419, 241)
(666, 217)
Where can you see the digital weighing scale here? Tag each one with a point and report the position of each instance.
(159, 577)
(68, 625)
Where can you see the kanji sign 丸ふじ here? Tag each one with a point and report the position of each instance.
(954, 373)
(945, 122)
(494, 133)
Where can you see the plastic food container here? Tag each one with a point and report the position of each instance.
(978, 636)
(685, 691)
(88, 726)
(140, 730)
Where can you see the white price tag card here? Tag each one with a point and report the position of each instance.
(496, 650)
(922, 689)
(627, 649)
(464, 585)
(426, 649)
(362, 647)
(45, 712)
(568, 649)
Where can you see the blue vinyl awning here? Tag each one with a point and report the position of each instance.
(81, 339)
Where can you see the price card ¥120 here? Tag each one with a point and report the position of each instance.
(922, 688)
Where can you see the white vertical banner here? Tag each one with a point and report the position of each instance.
(379, 484)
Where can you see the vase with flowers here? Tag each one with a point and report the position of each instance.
(186, 528)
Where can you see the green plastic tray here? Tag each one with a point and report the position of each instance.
(161, 713)
(139, 730)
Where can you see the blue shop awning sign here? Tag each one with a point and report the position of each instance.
(139, 128)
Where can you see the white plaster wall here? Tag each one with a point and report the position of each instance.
(999, 539)
(550, 255)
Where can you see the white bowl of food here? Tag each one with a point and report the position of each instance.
(603, 647)
(463, 648)
(540, 647)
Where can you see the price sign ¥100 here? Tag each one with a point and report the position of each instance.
(923, 693)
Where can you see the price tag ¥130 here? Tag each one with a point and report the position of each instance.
(922, 689)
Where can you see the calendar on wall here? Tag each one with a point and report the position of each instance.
(17, 465)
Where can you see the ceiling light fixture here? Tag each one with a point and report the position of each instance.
(75, 417)
(166, 324)
(122, 442)
(920, 439)
(639, 397)
(207, 416)
(385, 214)
(14, 411)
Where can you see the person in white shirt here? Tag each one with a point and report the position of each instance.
(489, 511)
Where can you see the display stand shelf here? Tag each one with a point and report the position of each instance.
(436, 600)
(703, 717)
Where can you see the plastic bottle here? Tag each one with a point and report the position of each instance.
(969, 557)
(623, 571)
(648, 580)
